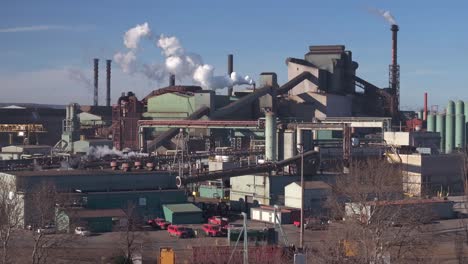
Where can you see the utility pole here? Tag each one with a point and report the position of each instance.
(246, 240)
(300, 149)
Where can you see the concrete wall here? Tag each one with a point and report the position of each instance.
(428, 174)
(251, 185)
(295, 69)
(314, 199)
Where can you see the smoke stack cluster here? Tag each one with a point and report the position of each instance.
(230, 71)
(108, 82)
(96, 74)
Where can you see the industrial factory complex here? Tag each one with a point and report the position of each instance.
(185, 153)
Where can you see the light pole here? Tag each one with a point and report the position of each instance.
(300, 149)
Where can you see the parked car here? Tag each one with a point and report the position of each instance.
(47, 229)
(158, 223)
(180, 231)
(313, 223)
(218, 220)
(82, 231)
(214, 230)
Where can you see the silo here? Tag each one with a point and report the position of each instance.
(440, 127)
(451, 108)
(459, 108)
(459, 131)
(449, 133)
(431, 123)
(420, 114)
(459, 124)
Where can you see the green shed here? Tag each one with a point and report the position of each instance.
(186, 213)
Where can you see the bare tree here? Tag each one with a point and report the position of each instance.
(11, 216)
(376, 226)
(128, 233)
(42, 203)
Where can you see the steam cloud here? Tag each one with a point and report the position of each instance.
(102, 151)
(79, 77)
(184, 65)
(385, 14)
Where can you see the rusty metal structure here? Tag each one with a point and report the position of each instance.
(125, 116)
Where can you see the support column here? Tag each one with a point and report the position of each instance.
(270, 136)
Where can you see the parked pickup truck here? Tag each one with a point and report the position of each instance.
(159, 223)
(214, 230)
(218, 220)
(180, 231)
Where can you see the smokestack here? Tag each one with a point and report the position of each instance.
(394, 73)
(108, 82)
(230, 70)
(96, 73)
(425, 107)
(172, 80)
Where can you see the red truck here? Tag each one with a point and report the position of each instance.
(214, 230)
(218, 220)
(180, 231)
(158, 223)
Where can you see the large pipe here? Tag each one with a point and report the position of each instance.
(270, 136)
(108, 82)
(96, 74)
(230, 71)
(259, 168)
(425, 107)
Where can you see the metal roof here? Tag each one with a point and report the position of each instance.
(183, 208)
(66, 172)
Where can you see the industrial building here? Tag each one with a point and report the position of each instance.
(249, 146)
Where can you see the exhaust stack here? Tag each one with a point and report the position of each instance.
(172, 80)
(425, 107)
(96, 74)
(230, 70)
(108, 82)
(394, 74)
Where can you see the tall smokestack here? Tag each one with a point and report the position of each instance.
(425, 107)
(96, 74)
(230, 70)
(172, 80)
(108, 82)
(394, 73)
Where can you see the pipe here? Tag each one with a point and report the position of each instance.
(394, 30)
(270, 136)
(172, 80)
(230, 71)
(108, 82)
(258, 168)
(96, 74)
(425, 107)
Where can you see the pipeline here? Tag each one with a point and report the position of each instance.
(258, 168)
(159, 141)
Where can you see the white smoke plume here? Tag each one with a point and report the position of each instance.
(177, 61)
(127, 61)
(79, 77)
(102, 151)
(385, 14)
(132, 36)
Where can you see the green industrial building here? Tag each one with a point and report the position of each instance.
(96, 221)
(185, 213)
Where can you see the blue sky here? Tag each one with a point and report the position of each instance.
(41, 40)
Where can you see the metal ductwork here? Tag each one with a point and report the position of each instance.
(108, 82)
(230, 71)
(233, 107)
(96, 75)
(169, 134)
(258, 168)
